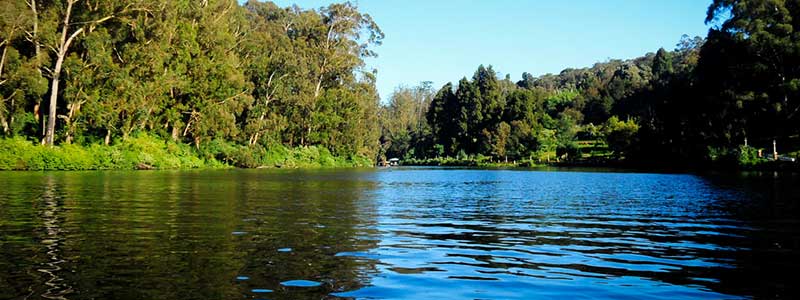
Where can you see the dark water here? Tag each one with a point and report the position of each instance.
(397, 234)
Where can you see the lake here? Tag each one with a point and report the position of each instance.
(398, 233)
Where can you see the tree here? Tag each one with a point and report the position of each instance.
(621, 136)
(503, 133)
(194, 71)
(270, 68)
(759, 39)
(662, 65)
(20, 80)
(90, 18)
(441, 116)
(402, 123)
(566, 130)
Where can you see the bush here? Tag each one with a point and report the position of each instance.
(150, 151)
(748, 157)
(13, 153)
(19, 154)
(569, 150)
(621, 136)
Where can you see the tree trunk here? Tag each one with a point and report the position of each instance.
(62, 51)
(11, 115)
(34, 38)
(254, 137)
(188, 124)
(322, 68)
(51, 115)
(73, 108)
(318, 87)
(3, 61)
(37, 113)
(175, 133)
(3, 121)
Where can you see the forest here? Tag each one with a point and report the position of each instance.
(714, 100)
(245, 85)
(185, 83)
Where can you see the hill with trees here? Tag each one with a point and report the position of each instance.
(716, 99)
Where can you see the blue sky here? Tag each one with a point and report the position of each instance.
(444, 40)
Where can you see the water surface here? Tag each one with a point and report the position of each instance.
(397, 234)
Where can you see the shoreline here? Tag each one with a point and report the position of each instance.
(669, 167)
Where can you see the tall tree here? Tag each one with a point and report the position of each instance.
(76, 17)
(767, 64)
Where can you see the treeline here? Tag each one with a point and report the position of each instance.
(200, 72)
(697, 103)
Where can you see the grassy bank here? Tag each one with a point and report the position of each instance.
(148, 152)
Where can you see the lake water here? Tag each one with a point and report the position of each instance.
(400, 233)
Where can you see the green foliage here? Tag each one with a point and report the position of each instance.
(146, 151)
(693, 104)
(242, 78)
(186, 84)
(748, 157)
(405, 132)
(568, 150)
(662, 65)
(20, 154)
(279, 156)
(747, 73)
(621, 136)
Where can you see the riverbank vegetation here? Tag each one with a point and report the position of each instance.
(145, 152)
(185, 84)
(715, 101)
(259, 84)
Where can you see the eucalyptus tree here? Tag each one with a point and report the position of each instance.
(74, 18)
(20, 80)
(271, 66)
(335, 41)
(405, 132)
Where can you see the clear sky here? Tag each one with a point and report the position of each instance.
(444, 40)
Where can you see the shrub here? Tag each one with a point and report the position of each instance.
(621, 136)
(748, 156)
(570, 150)
(13, 153)
(20, 154)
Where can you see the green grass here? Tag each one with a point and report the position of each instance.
(594, 148)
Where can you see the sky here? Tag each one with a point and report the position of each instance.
(444, 40)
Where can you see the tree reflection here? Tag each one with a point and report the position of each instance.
(52, 219)
(172, 235)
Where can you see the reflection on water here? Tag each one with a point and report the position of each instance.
(51, 219)
(396, 234)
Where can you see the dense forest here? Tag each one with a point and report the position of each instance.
(713, 99)
(213, 74)
(98, 84)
